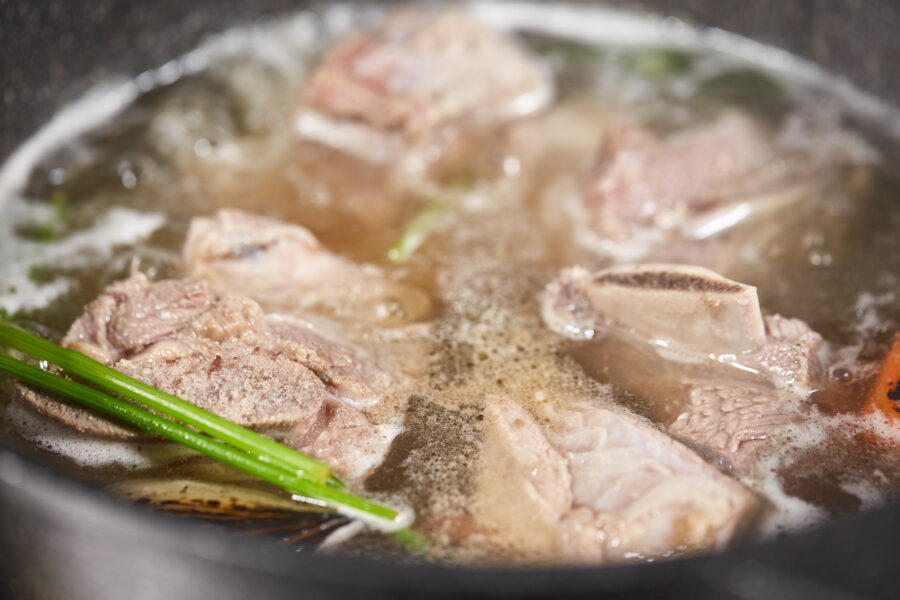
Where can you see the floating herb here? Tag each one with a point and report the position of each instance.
(658, 63)
(40, 274)
(429, 220)
(741, 85)
(571, 53)
(54, 225)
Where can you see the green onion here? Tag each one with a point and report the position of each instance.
(312, 492)
(423, 225)
(740, 85)
(261, 447)
(54, 226)
(250, 452)
(658, 63)
(433, 216)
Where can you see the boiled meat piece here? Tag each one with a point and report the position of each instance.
(792, 354)
(641, 189)
(284, 268)
(524, 488)
(413, 78)
(224, 354)
(729, 423)
(637, 492)
(691, 314)
(599, 485)
(688, 314)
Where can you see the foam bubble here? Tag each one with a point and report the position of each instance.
(85, 450)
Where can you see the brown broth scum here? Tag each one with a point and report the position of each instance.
(221, 137)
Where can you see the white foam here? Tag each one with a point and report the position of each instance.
(786, 513)
(868, 494)
(789, 513)
(117, 227)
(85, 450)
(868, 319)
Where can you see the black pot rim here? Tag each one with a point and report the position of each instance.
(195, 540)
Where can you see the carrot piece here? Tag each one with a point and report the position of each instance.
(885, 394)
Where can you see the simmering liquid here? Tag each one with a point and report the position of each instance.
(216, 129)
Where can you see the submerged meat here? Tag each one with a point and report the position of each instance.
(729, 423)
(227, 356)
(694, 315)
(599, 486)
(284, 268)
(692, 185)
(414, 76)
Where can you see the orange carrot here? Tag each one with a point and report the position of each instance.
(885, 394)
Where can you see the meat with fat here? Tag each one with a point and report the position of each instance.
(761, 369)
(284, 268)
(225, 355)
(598, 485)
(729, 423)
(642, 190)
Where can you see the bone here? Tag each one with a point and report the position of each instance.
(680, 308)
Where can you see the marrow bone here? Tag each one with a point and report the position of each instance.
(681, 308)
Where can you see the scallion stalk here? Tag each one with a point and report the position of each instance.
(76, 363)
(305, 489)
(423, 225)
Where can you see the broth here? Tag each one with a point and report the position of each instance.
(214, 129)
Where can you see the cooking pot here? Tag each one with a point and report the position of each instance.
(60, 538)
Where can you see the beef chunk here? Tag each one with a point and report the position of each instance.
(227, 356)
(694, 315)
(598, 486)
(413, 78)
(524, 487)
(730, 423)
(792, 354)
(284, 268)
(130, 315)
(643, 190)
(639, 493)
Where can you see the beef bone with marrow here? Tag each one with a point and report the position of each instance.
(694, 315)
(224, 354)
(688, 314)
